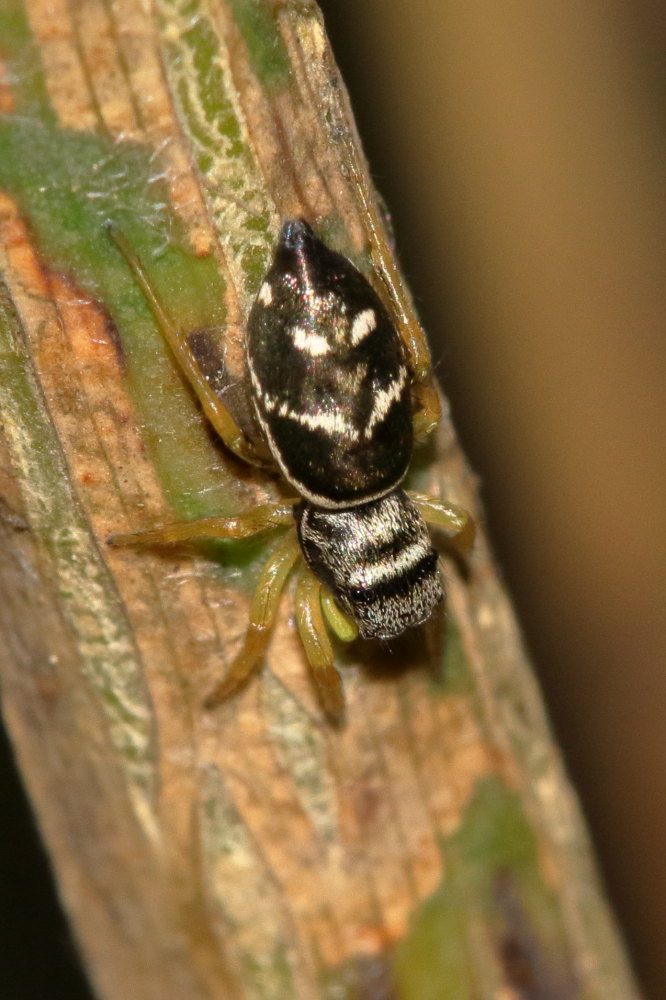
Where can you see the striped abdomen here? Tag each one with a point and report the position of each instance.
(376, 559)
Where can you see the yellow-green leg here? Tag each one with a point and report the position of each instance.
(215, 410)
(341, 624)
(417, 352)
(456, 522)
(410, 330)
(263, 612)
(250, 522)
(428, 412)
(317, 645)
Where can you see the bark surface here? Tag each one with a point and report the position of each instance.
(428, 849)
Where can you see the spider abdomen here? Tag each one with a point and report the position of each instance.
(330, 383)
(377, 560)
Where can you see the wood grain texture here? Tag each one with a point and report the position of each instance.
(429, 847)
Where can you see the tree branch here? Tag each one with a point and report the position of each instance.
(431, 847)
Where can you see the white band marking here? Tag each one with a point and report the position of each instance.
(265, 295)
(384, 400)
(370, 574)
(312, 343)
(363, 324)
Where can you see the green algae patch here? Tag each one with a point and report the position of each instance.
(91, 180)
(266, 51)
(494, 921)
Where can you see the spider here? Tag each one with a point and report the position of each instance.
(339, 397)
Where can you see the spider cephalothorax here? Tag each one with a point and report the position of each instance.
(329, 376)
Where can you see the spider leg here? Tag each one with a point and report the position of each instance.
(456, 522)
(263, 612)
(317, 645)
(428, 409)
(215, 410)
(410, 330)
(341, 624)
(250, 522)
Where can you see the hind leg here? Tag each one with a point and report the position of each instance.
(456, 522)
(266, 600)
(263, 612)
(317, 645)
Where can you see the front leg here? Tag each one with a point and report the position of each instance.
(217, 413)
(428, 409)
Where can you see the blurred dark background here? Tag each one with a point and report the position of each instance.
(520, 149)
